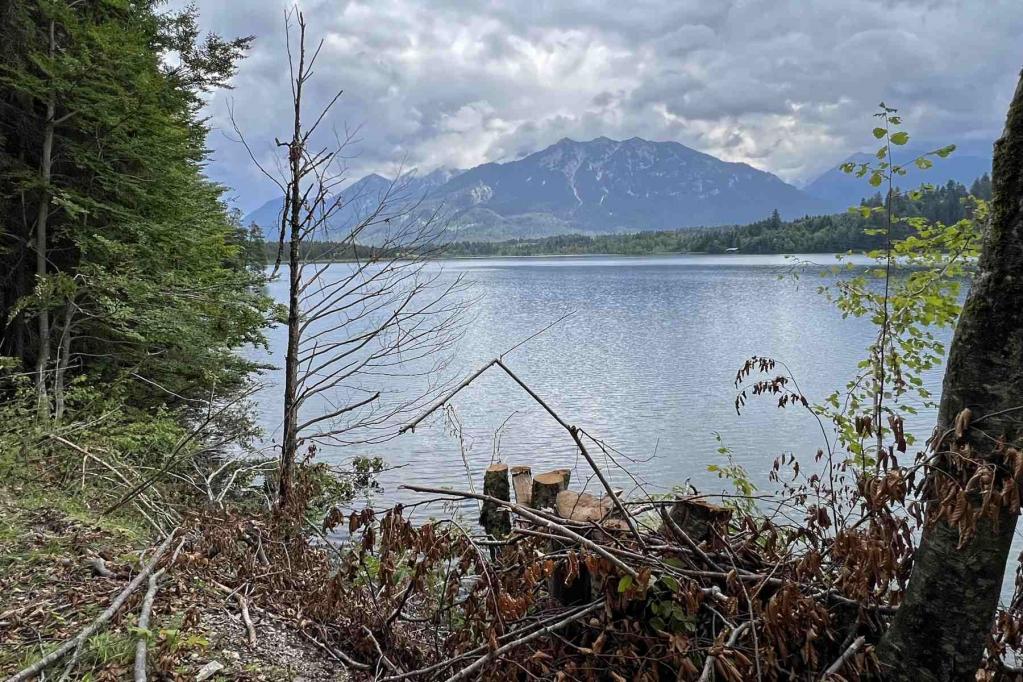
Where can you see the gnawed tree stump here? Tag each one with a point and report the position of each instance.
(547, 486)
(495, 519)
(699, 519)
(522, 482)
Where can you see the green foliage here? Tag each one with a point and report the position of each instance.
(913, 288)
(737, 475)
(151, 283)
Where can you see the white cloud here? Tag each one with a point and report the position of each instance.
(788, 86)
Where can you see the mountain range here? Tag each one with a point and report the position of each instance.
(604, 186)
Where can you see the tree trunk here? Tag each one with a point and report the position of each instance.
(63, 360)
(939, 631)
(289, 445)
(42, 219)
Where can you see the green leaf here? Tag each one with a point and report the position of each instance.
(900, 138)
(923, 163)
(670, 583)
(875, 179)
(879, 132)
(624, 583)
(945, 151)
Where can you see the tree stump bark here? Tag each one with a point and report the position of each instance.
(495, 519)
(547, 486)
(522, 482)
(700, 520)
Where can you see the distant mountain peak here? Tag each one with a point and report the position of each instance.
(605, 185)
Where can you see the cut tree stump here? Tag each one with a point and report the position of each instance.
(699, 519)
(522, 482)
(582, 506)
(547, 486)
(495, 519)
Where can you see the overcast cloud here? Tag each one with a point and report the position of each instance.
(787, 86)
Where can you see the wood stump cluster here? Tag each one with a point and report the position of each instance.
(700, 520)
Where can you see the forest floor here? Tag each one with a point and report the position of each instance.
(51, 589)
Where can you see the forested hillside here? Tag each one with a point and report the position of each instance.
(841, 232)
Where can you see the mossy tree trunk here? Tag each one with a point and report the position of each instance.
(939, 631)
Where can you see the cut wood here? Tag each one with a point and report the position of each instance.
(522, 482)
(699, 519)
(547, 486)
(494, 518)
(582, 506)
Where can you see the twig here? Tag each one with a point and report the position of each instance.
(844, 658)
(708, 665)
(243, 606)
(535, 518)
(383, 657)
(480, 662)
(334, 653)
(573, 431)
(99, 622)
(677, 530)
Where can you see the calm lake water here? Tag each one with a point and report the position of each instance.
(646, 362)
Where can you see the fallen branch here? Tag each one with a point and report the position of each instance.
(500, 651)
(100, 621)
(535, 518)
(333, 653)
(573, 431)
(143, 625)
(243, 606)
(844, 658)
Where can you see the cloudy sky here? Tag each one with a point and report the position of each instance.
(787, 86)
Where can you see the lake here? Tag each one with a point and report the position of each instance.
(646, 362)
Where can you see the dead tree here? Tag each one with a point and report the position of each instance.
(940, 629)
(384, 314)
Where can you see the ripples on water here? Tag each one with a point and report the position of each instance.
(646, 362)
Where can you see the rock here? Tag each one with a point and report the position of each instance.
(209, 670)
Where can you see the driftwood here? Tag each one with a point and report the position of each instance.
(495, 519)
(100, 621)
